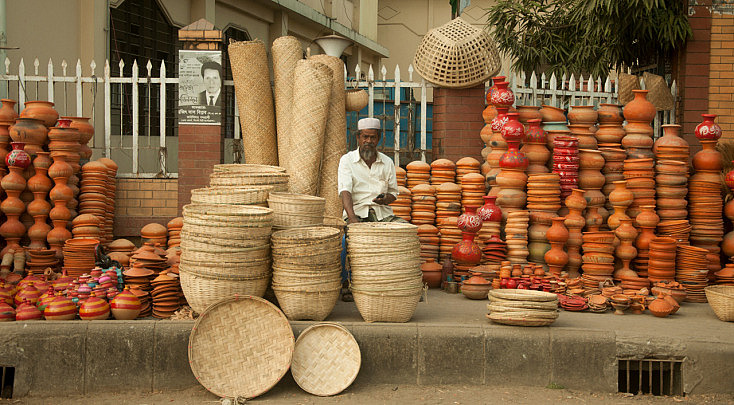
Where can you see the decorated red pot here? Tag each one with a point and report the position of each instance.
(513, 130)
(493, 89)
(500, 120)
(125, 306)
(7, 313)
(730, 179)
(469, 221)
(535, 133)
(490, 211)
(503, 96)
(466, 252)
(27, 312)
(18, 157)
(94, 308)
(708, 129)
(60, 309)
(513, 158)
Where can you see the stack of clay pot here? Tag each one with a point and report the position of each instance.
(535, 149)
(499, 147)
(450, 236)
(60, 195)
(516, 236)
(494, 253)
(640, 177)
(680, 230)
(625, 252)
(93, 194)
(693, 276)
(401, 175)
(174, 231)
(566, 163)
(139, 277)
(401, 205)
(166, 295)
(429, 239)
(41, 259)
(423, 208)
(639, 113)
(120, 250)
(591, 180)
(528, 113)
(661, 265)
(472, 190)
(146, 307)
(111, 190)
(465, 166)
(491, 217)
(31, 126)
(512, 179)
(418, 173)
(151, 257)
(556, 258)
(598, 259)
(442, 171)
(486, 135)
(12, 206)
(671, 189)
(582, 119)
(86, 133)
(671, 146)
(544, 201)
(613, 169)
(704, 194)
(620, 199)
(448, 201)
(610, 119)
(645, 221)
(86, 226)
(574, 222)
(64, 142)
(79, 256)
(154, 233)
(554, 123)
(40, 184)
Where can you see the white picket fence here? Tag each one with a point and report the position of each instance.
(83, 91)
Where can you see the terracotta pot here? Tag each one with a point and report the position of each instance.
(671, 138)
(552, 114)
(576, 200)
(583, 114)
(557, 232)
(621, 196)
(469, 221)
(609, 133)
(708, 158)
(7, 112)
(489, 113)
(660, 307)
(535, 133)
(639, 109)
(490, 212)
(527, 113)
(466, 252)
(491, 90)
(30, 131)
(18, 157)
(610, 114)
(513, 158)
(708, 130)
(40, 110)
(502, 96)
(513, 130)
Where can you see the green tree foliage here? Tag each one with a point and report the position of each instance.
(590, 36)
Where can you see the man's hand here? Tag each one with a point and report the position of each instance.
(386, 199)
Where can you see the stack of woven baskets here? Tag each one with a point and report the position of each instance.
(386, 276)
(307, 271)
(296, 210)
(244, 195)
(225, 250)
(249, 176)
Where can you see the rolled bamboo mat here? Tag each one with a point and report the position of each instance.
(251, 75)
(335, 141)
(286, 52)
(311, 92)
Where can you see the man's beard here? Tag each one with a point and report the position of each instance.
(368, 153)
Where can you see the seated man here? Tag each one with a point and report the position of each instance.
(367, 182)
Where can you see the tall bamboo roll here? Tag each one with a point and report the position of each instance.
(335, 141)
(287, 52)
(311, 93)
(251, 75)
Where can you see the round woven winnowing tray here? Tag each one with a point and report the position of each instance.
(326, 359)
(240, 347)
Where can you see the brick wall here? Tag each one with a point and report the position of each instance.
(721, 77)
(457, 121)
(141, 201)
(199, 149)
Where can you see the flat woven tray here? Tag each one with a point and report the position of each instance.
(240, 347)
(326, 359)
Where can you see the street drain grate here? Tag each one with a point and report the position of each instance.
(6, 382)
(650, 376)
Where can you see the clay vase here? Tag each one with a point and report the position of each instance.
(12, 229)
(660, 307)
(7, 112)
(708, 130)
(671, 138)
(86, 133)
(7, 313)
(490, 212)
(708, 158)
(574, 221)
(18, 157)
(469, 221)
(493, 89)
(640, 109)
(556, 258)
(502, 96)
(647, 217)
(60, 309)
(126, 306)
(466, 252)
(431, 275)
(30, 131)
(621, 195)
(535, 148)
(610, 114)
(94, 308)
(626, 233)
(42, 111)
(583, 114)
(27, 312)
(552, 114)
(527, 113)
(513, 130)
(594, 220)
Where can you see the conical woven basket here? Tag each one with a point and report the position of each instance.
(286, 52)
(457, 55)
(249, 62)
(311, 92)
(335, 143)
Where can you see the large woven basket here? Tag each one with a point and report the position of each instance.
(230, 195)
(245, 255)
(721, 300)
(247, 168)
(278, 181)
(326, 359)
(457, 55)
(240, 347)
(202, 291)
(300, 305)
(356, 100)
(385, 306)
(296, 210)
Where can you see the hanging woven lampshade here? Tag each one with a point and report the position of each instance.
(457, 55)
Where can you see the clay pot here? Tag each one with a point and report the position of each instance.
(7, 112)
(493, 89)
(708, 130)
(490, 212)
(513, 130)
(27, 312)
(469, 221)
(126, 306)
(94, 308)
(18, 157)
(535, 133)
(552, 114)
(60, 309)
(609, 114)
(660, 307)
(476, 287)
(647, 217)
(576, 200)
(671, 138)
(7, 313)
(42, 111)
(583, 114)
(513, 158)
(609, 133)
(502, 96)
(30, 131)
(466, 252)
(639, 109)
(708, 159)
(527, 113)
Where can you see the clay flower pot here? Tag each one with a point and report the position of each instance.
(502, 96)
(552, 114)
(7, 112)
(42, 111)
(708, 130)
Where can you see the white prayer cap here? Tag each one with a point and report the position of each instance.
(368, 123)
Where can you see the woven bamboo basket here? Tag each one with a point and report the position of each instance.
(721, 300)
(244, 271)
(335, 222)
(659, 94)
(230, 212)
(395, 306)
(251, 75)
(203, 291)
(229, 195)
(278, 181)
(627, 83)
(247, 168)
(314, 260)
(296, 210)
(286, 51)
(243, 256)
(312, 282)
(205, 246)
(300, 305)
(198, 241)
(356, 100)
(457, 55)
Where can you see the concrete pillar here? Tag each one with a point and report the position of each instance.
(200, 147)
(457, 121)
(203, 9)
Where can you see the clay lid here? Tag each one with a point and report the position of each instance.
(163, 278)
(154, 230)
(121, 244)
(448, 188)
(403, 191)
(85, 220)
(423, 189)
(467, 162)
(175, 223)
(473, 178)
(443, 164)
(94, 166)
(108, 162)
(399, 171)
(426, 229)
(418, 167)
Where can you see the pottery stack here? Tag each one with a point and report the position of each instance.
(491, 217)
(174, 231)
(154, 233)
(620, 199)
(704, 193)
(584, 115)
(139, 277)
(486, 135)
(442, 171)
(591, 180)
(430, 241)
(423, 208)
(40, 184)
(450, 235)
(111, 190)
(640, 177)
(499, 147)
(598, 259)
(151, 257)
(544, 201)
(534, 147)
(166, 295)
(516, 236)
(639, 113)
(566, 163)
(613, 169)
(401, 176)
(574, 222)
(448, 201)
(120, 250)
(610, 129)
(93, 192)
(512, 178)
(401, 205)
(146, 307)
(690, 273)
(79, 256)
(418, 173)
(646, 222)
(472, 190)
(41, 259)
(662, 264)
(86, 226)
(465, 166)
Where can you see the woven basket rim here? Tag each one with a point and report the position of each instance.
(247, 168)
(309, 233)
(227, 210)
